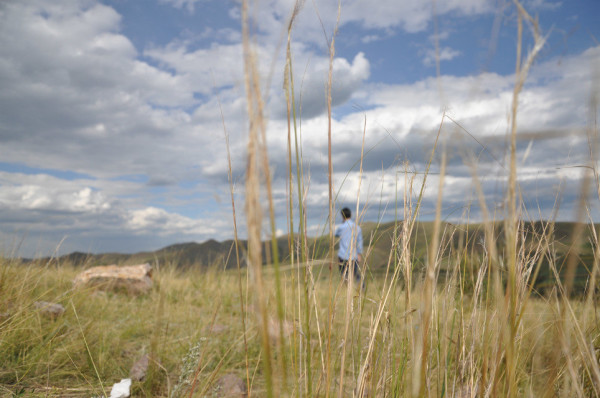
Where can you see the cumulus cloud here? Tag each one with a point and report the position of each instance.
(187, 4)
(199, 66)
(444, 54)
(71, 83)
(143, 133)
(79, 211)
(311, 88)
(316, 20)
(543, 4)
(402, 123)
(165, 223)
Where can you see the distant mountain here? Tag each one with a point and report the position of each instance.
(378, 241)
(181, 255)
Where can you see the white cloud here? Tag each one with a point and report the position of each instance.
(164, 223)
(310, 88)
(71, 82)
(204, 69)
(543, 4)
(187, 4)
(147, 129)
(409, 16)
(88, 212)
(370, 38)
(41, 192)
(402, 120)
(444, 54)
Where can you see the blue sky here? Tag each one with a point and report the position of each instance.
(111, 136)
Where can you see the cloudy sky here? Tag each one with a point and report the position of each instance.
(111, 135)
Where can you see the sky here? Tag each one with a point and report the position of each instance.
(114, 114)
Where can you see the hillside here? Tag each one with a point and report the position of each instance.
(198, 316)
(378, 242)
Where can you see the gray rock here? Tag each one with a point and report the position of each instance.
(274, 329)
(217, 329)
(231, 386)
(139, 369)
(52, 310)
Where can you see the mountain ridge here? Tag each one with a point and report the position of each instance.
(378, 240)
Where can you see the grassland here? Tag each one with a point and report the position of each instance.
(461, 314)
(195, 324)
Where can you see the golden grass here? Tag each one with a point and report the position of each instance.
(384, 346)
(299, 331)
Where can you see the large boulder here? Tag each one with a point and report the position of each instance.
(131, 279)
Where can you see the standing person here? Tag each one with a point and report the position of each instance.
(351, 246)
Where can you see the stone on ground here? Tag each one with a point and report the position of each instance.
(134, 279)
(231, 386)
(120, 389)
(51, 310)
(139, 369)
(273, 329)
(217, 329)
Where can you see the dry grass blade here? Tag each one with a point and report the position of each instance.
(511, 219)
(253, 203)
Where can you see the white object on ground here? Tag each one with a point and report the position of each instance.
(121, 389)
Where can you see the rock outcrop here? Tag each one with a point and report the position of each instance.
(133, 279)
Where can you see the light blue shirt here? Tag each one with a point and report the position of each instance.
(351, 239)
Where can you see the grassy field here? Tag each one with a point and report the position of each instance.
(196, 327)
(503, 310)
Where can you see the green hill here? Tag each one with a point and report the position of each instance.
(464, 239)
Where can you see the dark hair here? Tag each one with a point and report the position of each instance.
(346, 213)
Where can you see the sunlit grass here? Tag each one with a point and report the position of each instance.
(460, 315)
(201, 317)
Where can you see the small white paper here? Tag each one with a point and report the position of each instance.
(121, 389)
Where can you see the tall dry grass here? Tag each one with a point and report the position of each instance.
(475, 341)
(468, 322)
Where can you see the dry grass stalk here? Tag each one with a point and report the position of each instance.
(253, 175)
(328, 372)
(511, 219)
(420, 378)
(236, 242)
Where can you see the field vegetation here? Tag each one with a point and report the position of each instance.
(503, 308)
(195, 328)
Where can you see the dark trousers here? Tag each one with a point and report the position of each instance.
(344, 269)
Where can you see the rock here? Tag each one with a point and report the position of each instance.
(132, 279)
(52, 310)
(139, 369)
(120, 389)
(231, 386)
(217, 329)
(273, 329)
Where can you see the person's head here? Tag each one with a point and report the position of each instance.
(346, 213)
